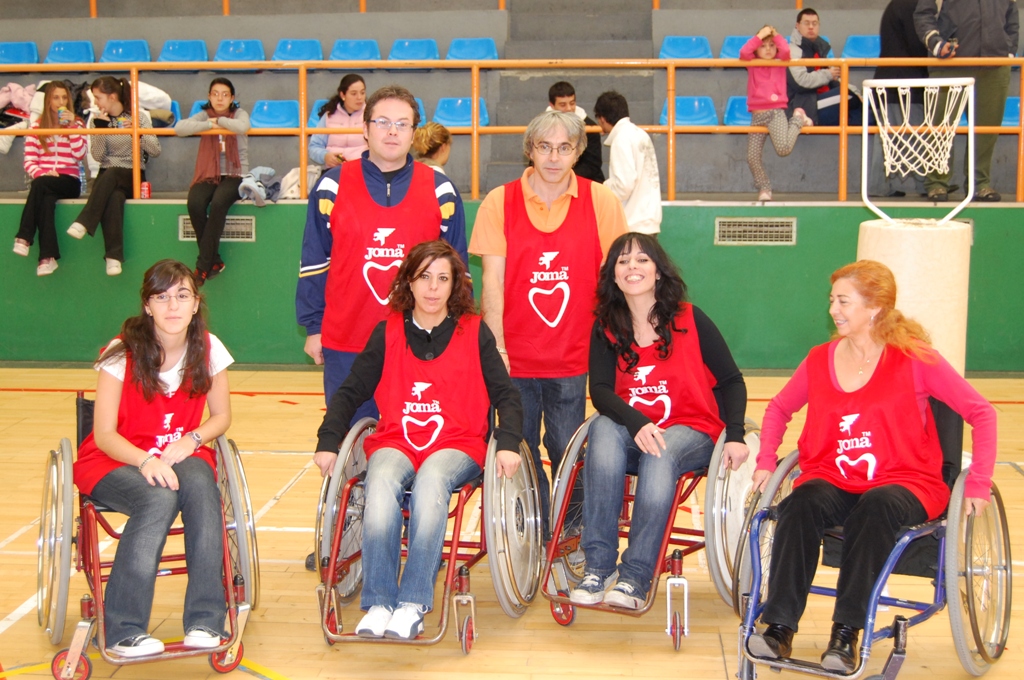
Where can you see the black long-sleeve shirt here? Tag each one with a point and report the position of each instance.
(368, 367)
(730, 389)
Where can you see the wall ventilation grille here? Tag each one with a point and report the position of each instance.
(755, 231)
(238, 228)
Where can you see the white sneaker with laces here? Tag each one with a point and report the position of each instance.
(200, 638)
(590, 590)
(374, 622)
(77, 230)
(406, 623)
(46, 267)
(625, 596)
(136, 646)
(20, 247)
(113, 267)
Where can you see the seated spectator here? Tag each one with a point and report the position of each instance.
(811, 88)
(220, 165)
(113, 185)
(343, 110)
(433, 145)
(54, 163)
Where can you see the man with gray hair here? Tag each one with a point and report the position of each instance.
(542, 239)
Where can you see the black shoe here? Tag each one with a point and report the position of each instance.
(200, 277)
(215, 270)
(311, 562)
(776, 642)
(841, 654)
(938, 194)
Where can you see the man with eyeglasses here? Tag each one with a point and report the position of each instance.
(542, 238)
(363, 218)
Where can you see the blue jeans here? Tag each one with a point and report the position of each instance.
(151, 511)
(563, 404)
(337, 366)
(388, 475)
(611, 453)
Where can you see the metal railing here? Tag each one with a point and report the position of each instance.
(226, 7)
(843, 131)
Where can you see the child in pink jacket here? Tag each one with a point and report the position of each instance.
(767, 101)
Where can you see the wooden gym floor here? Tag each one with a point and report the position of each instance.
(276, 415)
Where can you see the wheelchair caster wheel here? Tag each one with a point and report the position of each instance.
(82, 672)
(564, 614)
(219, 663)
(677, 631)
(467, 634)
(332, 625)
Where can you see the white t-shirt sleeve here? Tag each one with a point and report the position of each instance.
(220, 359)
(116, 366)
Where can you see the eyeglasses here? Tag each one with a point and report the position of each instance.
(545, 149)
(183, 297)
(385, 124)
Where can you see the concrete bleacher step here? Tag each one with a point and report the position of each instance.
(583, 23)
(578, 49)
(497, 173)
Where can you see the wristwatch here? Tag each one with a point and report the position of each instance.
(197, 438)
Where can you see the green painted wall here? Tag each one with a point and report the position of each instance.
(770, 301)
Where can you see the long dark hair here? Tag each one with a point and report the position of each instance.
(419, 258)
(208, 106)
(139, 340)
(122, 87)
(613, 313)
(334, 102)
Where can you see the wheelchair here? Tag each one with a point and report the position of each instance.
(967, 559)
(511, 539)
(65, 540)
(727, 492)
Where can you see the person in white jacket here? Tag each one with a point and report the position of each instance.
(632, 166)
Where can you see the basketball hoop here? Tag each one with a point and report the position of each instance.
(918, 149)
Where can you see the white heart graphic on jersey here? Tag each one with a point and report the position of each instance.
(562, 286)
(663, 398)
(379, 267)
(436, 419)
(867, 458)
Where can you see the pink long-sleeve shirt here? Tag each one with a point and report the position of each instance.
(766, 85)
(938, 379)
(65, 153)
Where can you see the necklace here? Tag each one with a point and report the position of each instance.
(864, 364)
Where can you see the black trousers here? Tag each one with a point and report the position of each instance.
(105, 206)
(218, 198)
(43, 194)
(871, 525)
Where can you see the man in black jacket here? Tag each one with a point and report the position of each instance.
(815, 89)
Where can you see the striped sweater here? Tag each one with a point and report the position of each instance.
(65, 154)
(115, 151)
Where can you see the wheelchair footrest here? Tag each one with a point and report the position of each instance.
(899, 649)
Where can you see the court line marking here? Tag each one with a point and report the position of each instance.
(285, 489)
(19, 532)
(260, 671)
(303, 530)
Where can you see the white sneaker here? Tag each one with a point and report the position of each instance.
(20, 247)
(200, 638)
(765, 195)
(590, 590)
(113, 267)
(406, 623)
(77, 230)
(625, 596)
(139, 645)
(374, 622)
(46, 267)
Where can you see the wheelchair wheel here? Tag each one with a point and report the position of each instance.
(978, 573)
(239, 518)
(223, 663)
(513, 532)
(54, 545)
(727, 499)
(351, 463)
(780, 485)
(83, 671)
(571, 563)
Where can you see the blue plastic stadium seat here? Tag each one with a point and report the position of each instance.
(423, 110)
(240, 50)
(355, 50)
(119, 51)
(731, 46)
(455, 112)
(19, 53)
(1011, 114)
(685, 47)
(176, 111)
(197, 106)
(314, 112)
(275, 113)
(475, 49)
(692, 111)
(70, 52)
(862, 47)
(298, 50)
(414, 50)
(184, 50)
(736, 112)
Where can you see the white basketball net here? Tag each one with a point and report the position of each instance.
(918, 149)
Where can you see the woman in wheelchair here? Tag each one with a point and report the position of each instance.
(654, 361)
(435, 370)
(869, 456)
(145, 458)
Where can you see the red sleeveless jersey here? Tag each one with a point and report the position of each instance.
(149, 425)
(370, 242)
(550, 287)
(872, 436)
(675, 390)
(426, 406)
